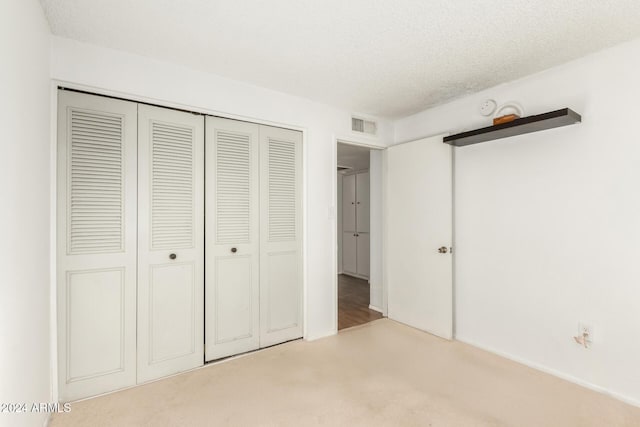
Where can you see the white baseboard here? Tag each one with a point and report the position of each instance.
(323, 335)
(374, 308)
(551, 371)
(357, 276)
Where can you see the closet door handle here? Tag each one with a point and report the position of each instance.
(173, 256)
(234, 250)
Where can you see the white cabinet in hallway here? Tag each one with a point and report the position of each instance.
(349, 202)
(349, 252)
(355, 224)
(362, 254)
(362, 202)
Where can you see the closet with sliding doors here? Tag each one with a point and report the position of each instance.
(137, 186)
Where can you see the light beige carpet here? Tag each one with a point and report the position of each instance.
(379, 374)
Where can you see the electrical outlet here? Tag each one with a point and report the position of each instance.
(586, 329)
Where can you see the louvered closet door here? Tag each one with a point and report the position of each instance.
(171, 242)
(232, 238)
(96, 244)
(280, 235)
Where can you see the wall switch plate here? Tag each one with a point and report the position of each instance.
(331, 213)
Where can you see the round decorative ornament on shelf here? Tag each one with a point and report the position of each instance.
(511, 107)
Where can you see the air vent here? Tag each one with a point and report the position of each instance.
(363, 126)
(344, 168)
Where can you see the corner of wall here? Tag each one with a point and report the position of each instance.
(24, 247)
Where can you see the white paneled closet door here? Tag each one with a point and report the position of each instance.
(96, 244)
(232, 237)
(171, 241)
(280, 235)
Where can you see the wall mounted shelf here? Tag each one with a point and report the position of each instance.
(520, 126)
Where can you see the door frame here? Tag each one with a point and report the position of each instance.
(55, 84)
(362, 143)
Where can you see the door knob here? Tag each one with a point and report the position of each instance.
(443, 250)
(234, 250)
(172, 256)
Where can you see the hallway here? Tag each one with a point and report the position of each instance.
(353, 302)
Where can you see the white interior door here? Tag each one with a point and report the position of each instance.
(362, 202)
(96, 244)
(280, 235)
(170, 241)
(232, 287)
(418, 223)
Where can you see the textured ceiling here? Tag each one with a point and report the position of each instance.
(388, 58)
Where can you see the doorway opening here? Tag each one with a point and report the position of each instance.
(359, 227)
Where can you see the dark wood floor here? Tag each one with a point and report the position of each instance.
(353, 302)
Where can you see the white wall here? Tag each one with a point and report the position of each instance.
(548, 224)
(375, 228)
(339, 220)
(139, 77)
(24, 216)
